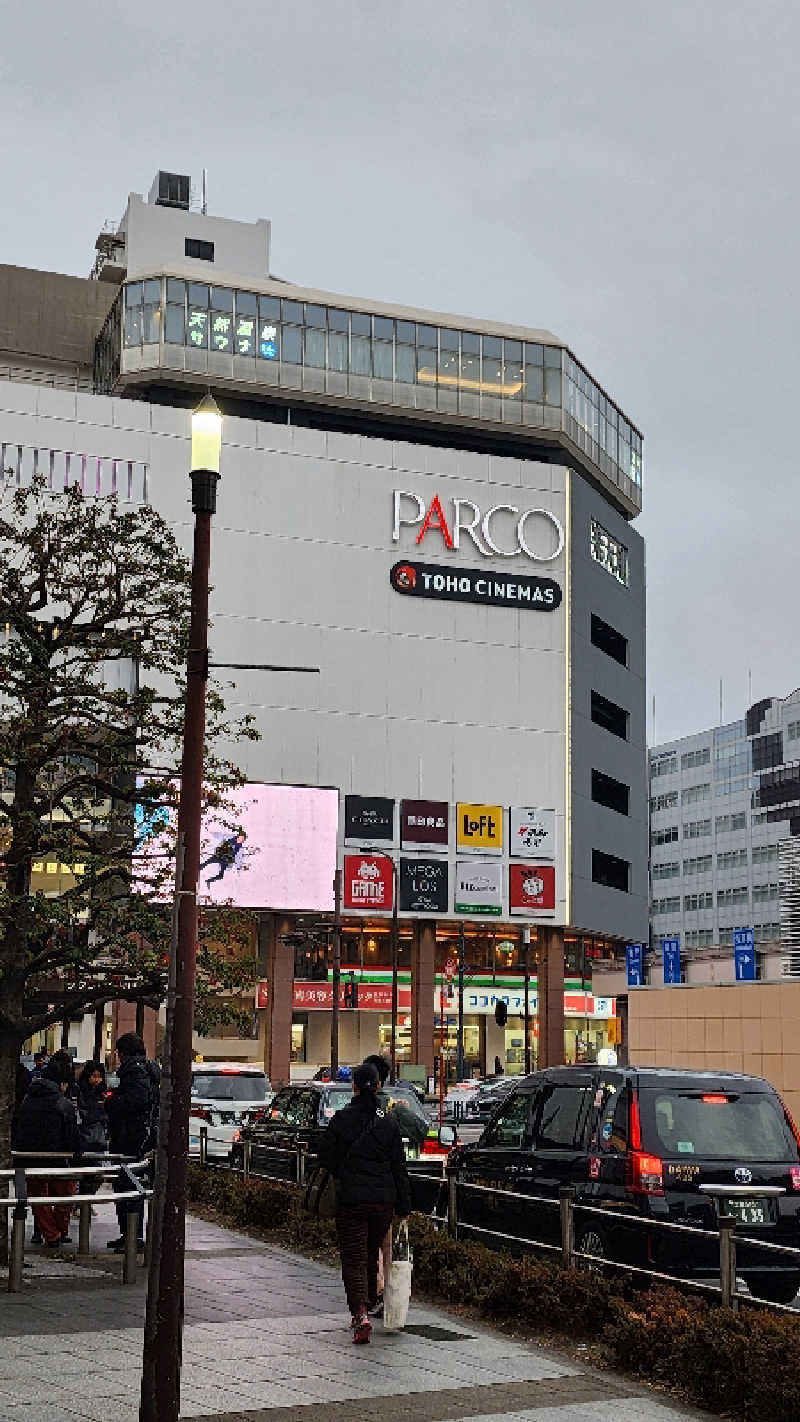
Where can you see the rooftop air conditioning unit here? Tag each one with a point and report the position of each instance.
(170, 190)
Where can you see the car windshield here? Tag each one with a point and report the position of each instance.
(335, 1100)
(716, 1125)
(229, 1086)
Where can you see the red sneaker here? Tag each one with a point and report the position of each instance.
(362, 1329)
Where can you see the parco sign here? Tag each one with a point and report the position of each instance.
(536, 533)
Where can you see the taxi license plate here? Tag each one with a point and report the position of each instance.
(746, 1212)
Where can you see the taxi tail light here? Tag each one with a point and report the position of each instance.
(644, 1173)
(794, 1171)
(793, 1128)
(714, 1100)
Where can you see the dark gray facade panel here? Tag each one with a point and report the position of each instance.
(595, 590)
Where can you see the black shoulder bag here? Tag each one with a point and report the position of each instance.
(320, 1199)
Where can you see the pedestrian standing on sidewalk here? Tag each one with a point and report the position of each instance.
(90, 1098)
(363, 1150)
(132, 1110)
(46, 1121)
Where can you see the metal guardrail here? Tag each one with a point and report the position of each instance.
(105, 1166)
(299, 1154)
(727, 1237)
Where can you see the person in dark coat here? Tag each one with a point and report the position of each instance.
(363, 1150)
(46, 1121)
(131, 1109)
(90, 1099)
(23, 1081)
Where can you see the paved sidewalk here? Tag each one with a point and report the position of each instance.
(267, 1340)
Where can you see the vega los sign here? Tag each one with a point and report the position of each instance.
(503, 531)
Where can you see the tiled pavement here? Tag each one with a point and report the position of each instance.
(266, 1340)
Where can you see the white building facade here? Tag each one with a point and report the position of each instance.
(434, 514)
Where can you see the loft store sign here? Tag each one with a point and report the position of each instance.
(504, 531)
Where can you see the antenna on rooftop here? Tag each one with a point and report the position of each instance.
(204, 201)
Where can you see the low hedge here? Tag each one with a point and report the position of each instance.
(744, 1364)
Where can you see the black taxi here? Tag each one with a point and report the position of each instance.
(297, 1116)
(665, 1145)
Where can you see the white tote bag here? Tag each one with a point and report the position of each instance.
(397, 1283)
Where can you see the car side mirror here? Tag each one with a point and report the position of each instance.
(448, 1136)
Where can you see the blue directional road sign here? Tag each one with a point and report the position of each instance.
(671, 949)
(634, 962)
(744, 955)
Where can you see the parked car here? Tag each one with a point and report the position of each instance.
(489, 1096)
(462, 1099)
(297, 1116)
(666, 1145)
(223, 1096)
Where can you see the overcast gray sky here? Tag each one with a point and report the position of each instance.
(623, 173)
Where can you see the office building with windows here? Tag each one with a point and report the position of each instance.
(724, 831)
(438, 514)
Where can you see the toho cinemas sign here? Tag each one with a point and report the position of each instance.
(502, 531)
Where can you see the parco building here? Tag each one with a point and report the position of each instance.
(436, 513)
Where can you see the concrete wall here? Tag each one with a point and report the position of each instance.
(45, 316)
(749, 1027)
(156, 236)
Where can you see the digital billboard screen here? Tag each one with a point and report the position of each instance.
(283, 856)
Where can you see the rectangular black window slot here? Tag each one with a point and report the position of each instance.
(609, 640)
(611, 872)
(614, 794)
(610, 716)
(202, 251)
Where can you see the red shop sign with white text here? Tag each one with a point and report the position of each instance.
(368, 881)
(372, 997)
(532, 888)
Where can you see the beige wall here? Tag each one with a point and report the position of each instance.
(749, 1027)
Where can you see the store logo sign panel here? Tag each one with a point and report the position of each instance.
(424, 823)
(368, 818)
(423, 885)
(480, 827)
(474, 585)
(368, 882)
(532, 888)
(503, 531)
(479, 887)
(533, 833)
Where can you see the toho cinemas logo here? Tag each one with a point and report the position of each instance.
(504, 531)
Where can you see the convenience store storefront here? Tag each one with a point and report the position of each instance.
(366, 1021)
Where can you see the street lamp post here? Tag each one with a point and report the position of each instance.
(161, 1372)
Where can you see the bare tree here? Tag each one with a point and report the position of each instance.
(94, 604)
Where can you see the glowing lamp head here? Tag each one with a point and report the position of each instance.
(206, 435)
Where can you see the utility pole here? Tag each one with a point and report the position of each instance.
(337, 971)
(395, 965)
(526, 1015)
(460, 1047)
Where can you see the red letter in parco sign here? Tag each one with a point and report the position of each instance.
(435, 518)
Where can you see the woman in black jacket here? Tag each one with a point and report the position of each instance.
(363, 1150)
(90, 1099)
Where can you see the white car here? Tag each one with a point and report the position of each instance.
(223, 1096)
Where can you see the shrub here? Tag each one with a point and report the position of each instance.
(746, 1364)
